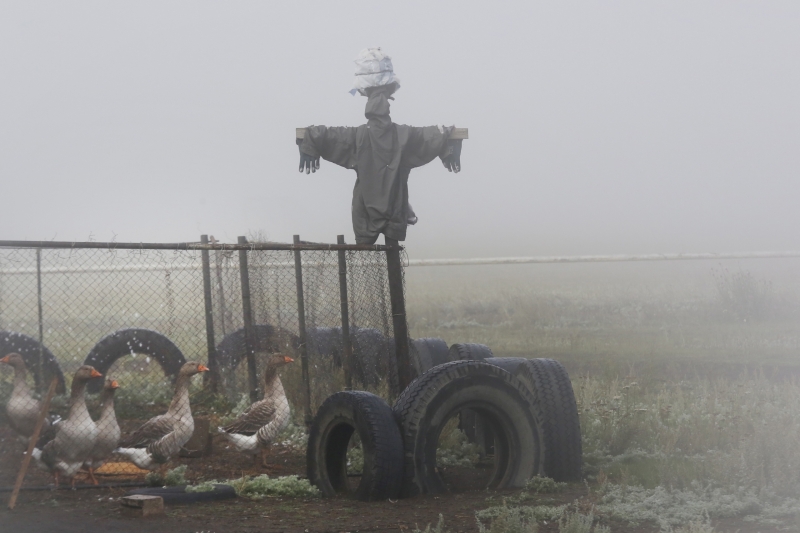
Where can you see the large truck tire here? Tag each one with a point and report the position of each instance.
(477, 430)
(470, 351)
(29, 348)
(133, 341)
(424, 408)
(550, 384)
(430, 352)
(326, 344)
(371, 350)
(232, 349)
(341, 415)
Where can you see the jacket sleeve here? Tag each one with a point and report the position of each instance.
(337, 145)
(424, 144)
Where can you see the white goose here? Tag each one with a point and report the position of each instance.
(75, 436)
(162, 437)
(255, 429)
(22, 408)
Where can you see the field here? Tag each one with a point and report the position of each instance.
(686, 376)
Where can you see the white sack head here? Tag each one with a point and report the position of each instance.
(373, 69)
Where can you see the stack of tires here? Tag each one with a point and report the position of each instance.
(525, 407)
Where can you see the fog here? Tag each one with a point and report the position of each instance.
(621, 127)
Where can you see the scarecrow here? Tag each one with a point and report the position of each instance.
(381, 152)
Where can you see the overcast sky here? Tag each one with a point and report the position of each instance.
(595, 127)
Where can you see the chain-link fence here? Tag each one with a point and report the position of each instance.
(138, 313)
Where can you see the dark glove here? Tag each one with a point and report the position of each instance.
(307, 162)
(452, 161)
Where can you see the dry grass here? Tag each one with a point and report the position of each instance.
(686, 374)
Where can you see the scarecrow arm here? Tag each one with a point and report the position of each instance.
(337, 145)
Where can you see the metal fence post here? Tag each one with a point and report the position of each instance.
(395, 274)
(209, 304)
(347, 348)
(220, 288)
(40, 362)
(301, 326)
(247, 315)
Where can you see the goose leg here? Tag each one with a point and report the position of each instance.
(264, 455)
(91, 476)
(55, 478)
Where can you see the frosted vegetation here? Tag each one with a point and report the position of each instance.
(683, 376)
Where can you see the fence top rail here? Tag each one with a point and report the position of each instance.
(602, 258)
(276, 246)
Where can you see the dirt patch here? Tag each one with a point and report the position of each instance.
(70, 511)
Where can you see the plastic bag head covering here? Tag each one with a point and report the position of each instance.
(373, 69)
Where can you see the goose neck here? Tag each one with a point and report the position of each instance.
(77, 398)
(20, 381)
(180, 400)
(107, 401)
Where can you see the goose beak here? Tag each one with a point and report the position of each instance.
(287, 359)
(95, 374)
(202, 368)
(5, 359)
(114, 384)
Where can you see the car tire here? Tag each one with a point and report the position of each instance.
(368, 415)
(133, 341)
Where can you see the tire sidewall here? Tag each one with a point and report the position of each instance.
(489, 390)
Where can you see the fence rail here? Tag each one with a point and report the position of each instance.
(620, 258)
(273, 246)
(601, 258)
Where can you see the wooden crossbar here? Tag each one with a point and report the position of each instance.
(458, 133)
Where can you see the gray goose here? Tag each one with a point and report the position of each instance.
(108, 432)
(162, 437)
(22, 408)
(75, 435)
(255, 429)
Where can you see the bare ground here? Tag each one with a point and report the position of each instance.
(99, 509)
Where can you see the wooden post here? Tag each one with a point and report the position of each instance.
(347, 347)
(214, 378)
(247, 315)
(301, 326)
(26, 461)
(395, 273)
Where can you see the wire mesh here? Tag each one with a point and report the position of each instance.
(136, 316)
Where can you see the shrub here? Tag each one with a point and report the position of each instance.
(174, 477)
(544, 485)
(575, 522)
(262, 486)
(438, 529)
(509, 520)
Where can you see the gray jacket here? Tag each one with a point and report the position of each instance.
(382, 153)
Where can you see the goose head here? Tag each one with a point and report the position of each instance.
(14, 360)
(274, 362)
(278, 360)
(85, 373)
(111, 385)
(191, 368)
